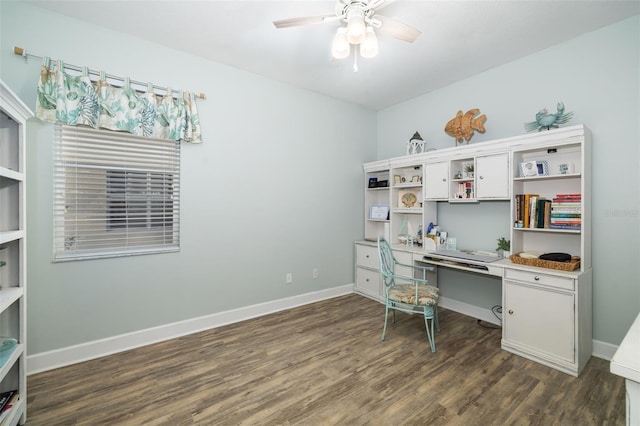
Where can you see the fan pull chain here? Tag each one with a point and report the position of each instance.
(355, 59)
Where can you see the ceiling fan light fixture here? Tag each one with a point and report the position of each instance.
(340, 48)
(369, 47)
(356, 28)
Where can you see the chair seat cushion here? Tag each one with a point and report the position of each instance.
(406, 293)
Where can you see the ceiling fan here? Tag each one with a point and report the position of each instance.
(361, 20)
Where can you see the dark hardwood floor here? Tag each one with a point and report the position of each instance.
(324, 364)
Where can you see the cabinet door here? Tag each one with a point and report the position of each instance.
(436, 181)
(492, 176)
(540, 319)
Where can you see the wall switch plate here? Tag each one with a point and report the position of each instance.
(289, 278)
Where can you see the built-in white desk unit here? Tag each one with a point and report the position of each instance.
(626, 363)
(546, 312)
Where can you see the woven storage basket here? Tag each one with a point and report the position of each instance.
(571, 265)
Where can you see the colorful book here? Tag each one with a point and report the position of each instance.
(5, 397)
(4, 414)
(527, 208)
(568, 227)
(540, 212)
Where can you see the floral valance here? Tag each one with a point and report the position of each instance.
(76, 100)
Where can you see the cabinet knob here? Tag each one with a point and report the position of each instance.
(444, 179)
(367, 280)
(537, 278)
(367, 256)
(481, 177)
(510, 311)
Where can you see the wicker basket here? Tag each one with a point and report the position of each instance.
(571, 265)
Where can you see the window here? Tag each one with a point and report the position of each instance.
(139, 199)
(114, 194)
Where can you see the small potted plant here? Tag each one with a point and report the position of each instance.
(504, 247)
(468, 170)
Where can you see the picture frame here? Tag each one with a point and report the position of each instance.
(415, 179)
(379, 212)
(528, 168)
(565, 168)
(397, 180)
(534, 168)
(373, 182)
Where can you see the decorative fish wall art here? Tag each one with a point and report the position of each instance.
(463, 126)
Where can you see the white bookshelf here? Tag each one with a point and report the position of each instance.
(13, 278)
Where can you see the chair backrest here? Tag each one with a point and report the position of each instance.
(387, 261)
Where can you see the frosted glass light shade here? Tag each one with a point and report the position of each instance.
(369, 47)
(340, 48)
(356, 29)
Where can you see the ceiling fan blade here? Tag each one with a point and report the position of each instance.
(397, 29)
(295, 22)
(378, 4)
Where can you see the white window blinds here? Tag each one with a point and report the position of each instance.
(115, 194)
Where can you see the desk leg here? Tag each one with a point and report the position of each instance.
(633, 402)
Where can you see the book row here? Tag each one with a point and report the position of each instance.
(563, 211)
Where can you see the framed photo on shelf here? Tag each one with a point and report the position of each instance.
(565, 168)
(397, 180)
(379, 212)
(534, 168)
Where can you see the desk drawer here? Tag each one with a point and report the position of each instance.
(368, 281)
(542, 279)
(367, 256)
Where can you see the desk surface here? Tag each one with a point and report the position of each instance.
(626, 360)
(494, 268)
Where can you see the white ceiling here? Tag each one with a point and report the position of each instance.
(459, 38)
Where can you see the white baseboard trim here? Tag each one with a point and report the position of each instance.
(603, 350)
(470, 310)
(50, 360)
(57, 358)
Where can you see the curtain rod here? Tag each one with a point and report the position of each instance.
(22, 52)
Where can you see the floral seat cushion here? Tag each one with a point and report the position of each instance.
(427, 295)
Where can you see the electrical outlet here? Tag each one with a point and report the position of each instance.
(289, 278)
(315, 273)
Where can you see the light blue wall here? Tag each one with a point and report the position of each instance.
(275, 186)
(273, 189)
(597, 75)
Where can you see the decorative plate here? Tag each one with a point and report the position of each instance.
(409, 199)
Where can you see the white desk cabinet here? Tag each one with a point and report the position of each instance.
(368, 280)
(546, 312)
(368, 277)
(539, 318)
(547, 317)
